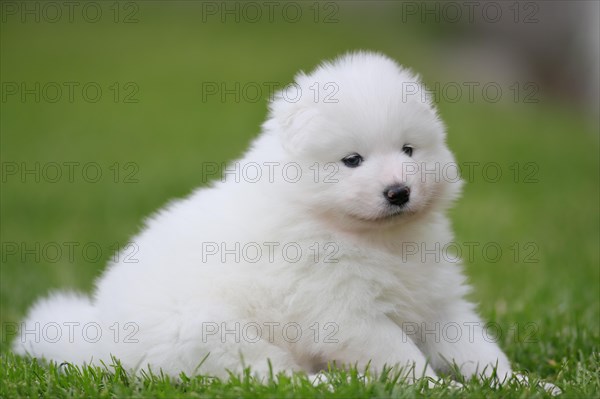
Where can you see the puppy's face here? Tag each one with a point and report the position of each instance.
(371, 145)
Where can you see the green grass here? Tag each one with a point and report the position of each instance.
(548, 309)
(28, 377)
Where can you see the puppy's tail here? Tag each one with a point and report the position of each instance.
(62, 327)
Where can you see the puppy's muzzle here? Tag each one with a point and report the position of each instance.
(398, 194)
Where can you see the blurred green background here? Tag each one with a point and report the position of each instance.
(152, 124)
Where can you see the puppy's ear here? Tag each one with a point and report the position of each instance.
(291, 115)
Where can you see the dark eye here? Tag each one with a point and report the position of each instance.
(353, 160)
(407, 149)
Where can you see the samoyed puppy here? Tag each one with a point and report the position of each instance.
(322, 244)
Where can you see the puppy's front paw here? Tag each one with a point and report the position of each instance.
(319, 379)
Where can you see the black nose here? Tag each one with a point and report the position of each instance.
(397, 194)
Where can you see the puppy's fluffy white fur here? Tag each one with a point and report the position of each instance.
(354, 296)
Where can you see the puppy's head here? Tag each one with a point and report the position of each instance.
(371, 146)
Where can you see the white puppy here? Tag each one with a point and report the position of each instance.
(311, 249)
